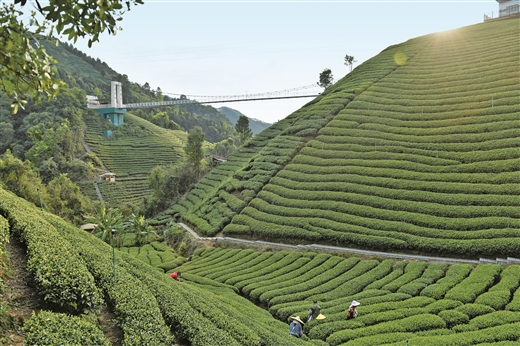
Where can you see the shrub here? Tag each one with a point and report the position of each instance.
(495, 299)
(49, 328)
(453, 317)
(474, 310)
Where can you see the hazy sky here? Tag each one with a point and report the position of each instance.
(245, 47)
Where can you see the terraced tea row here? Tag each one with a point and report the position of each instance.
(459, 304)
(248, 170)
(132, 158)
(150, 307)
(425, 159)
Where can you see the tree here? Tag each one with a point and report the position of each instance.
(25, 68)
(20, 178)
(140, 227)
(193, 149)
(349, 61)
(326, 78)
(66, 200)
(243, 130)
(109, 226)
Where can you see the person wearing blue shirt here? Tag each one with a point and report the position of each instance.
(296, 327)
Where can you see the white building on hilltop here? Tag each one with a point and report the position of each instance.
(508, 7)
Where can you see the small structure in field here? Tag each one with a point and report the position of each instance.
(89, 227)
(108, 176)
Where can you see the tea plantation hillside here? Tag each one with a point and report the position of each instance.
(73, 272)
(402, 303)
(131, 156)
(417, 149)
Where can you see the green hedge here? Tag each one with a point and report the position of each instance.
(480, 279)
(133, 304)
(60, 275)
(49, 328)
(408, 324)
(455, 274)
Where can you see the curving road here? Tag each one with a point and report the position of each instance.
(317, 247)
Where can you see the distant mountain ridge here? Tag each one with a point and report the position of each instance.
(255, 125)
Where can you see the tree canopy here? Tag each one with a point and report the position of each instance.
(193, 149)
(26, 70)
(349, 61)
(326, 78)
(243, 130)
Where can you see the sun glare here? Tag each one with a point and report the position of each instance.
(400, 58)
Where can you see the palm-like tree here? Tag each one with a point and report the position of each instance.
(140, 227)
(109, 226)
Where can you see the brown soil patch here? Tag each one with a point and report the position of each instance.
(22, 299)
(20, 295)
(113, 333)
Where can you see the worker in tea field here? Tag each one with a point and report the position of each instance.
(176, 276)
(352, 312)
(314, 311)
(296, 327)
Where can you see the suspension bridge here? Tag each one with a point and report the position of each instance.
(116, 99)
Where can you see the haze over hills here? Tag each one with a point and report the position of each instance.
(153, 135)
(94, 76)
(415, 150)
(255, 125)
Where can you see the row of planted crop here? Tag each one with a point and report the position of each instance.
(406, 183)
(4, 233)
(66, 278)
(442, 87)
(488, 106)
(495, 86)
(252, 222)
(367, 206)
(342, 185)
(381, 312)
(431, 104)
(362, 210)
(466, 138)
(351, 117)
(432, 156)
(413, 124)
(509, 165)
(431, 132)
(475, 179)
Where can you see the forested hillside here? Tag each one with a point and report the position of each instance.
(62, 136)
(93, 76)
(415, 150)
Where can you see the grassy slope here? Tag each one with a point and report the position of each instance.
(419, 153)
(133, 156)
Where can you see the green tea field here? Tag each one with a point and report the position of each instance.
(132, 157)
(414, 303)
(415, 150)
